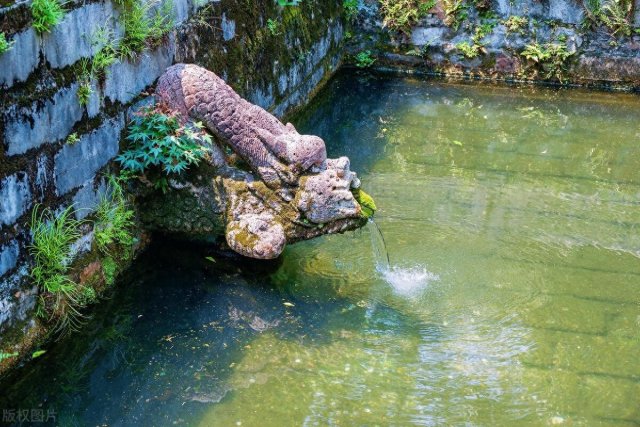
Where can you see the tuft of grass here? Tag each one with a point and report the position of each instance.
(136, 30)
(364, 59)
(4, 355)
(5, 45)
(400, 15)
(161, 24)
(53, 234)
(114, 220)
(72, 138)
(106, 55)
(84, 92)
(46, 14)
(350, 9)
(140, 30)
(273, 26)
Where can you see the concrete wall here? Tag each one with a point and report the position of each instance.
(39, 80)
(598, 57)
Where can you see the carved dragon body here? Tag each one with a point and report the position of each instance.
(295, 194)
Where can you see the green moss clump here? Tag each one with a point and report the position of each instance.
(5, 45)
(109, 269)
(245, 238)
(366, 202)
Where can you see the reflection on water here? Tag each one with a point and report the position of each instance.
(511, 219)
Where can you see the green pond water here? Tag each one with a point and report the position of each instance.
(512, 222)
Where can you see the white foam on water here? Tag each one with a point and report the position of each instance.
(408, 281)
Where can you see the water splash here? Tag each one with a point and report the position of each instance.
(406, 281)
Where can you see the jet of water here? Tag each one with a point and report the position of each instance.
(379, 246)
(406, 281)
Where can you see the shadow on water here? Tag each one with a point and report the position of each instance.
(164, 342)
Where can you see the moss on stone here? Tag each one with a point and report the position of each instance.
(366, 202)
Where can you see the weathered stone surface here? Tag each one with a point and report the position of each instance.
(77, 29)
(81, 246)
(277, 153)
(15, 197)
(127, 79)
(19, 62)
(95, 104)
(42, 177)
(87, 198)
(15, 306)
(567, 11)
(256, 235)
(228, 28)
(327, 196)
(595, 57)
(76, 164)
(31, 127)
(611, 69)
(428, 36)
(8, 257)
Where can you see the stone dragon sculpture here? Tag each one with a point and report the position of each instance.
(287, 190)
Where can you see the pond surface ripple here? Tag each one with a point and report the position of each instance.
(511, 217)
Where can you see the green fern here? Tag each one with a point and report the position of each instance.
(400, 15)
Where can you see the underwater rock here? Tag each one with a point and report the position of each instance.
(291, 191)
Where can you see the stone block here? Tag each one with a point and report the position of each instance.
(15, 197)
(95, 100)
(19, 62)
(42, 177)
(8, 257)
(50, 121)
(432, 36)
(77, 29)
(126, 80)
(76, 164)
(87, 198)
(228, 28)
(566, 11)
